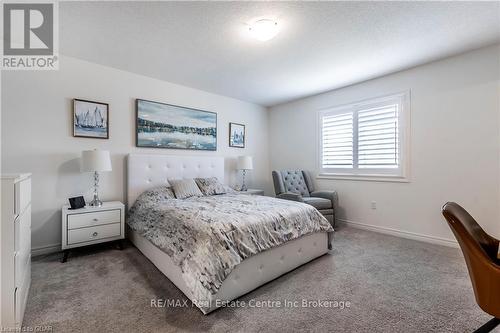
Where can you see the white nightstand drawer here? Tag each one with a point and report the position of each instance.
(91, 219)
(22, 245)
(23, 195)
(18, 296)
(21, 297)
(94, 233)
(22, 264)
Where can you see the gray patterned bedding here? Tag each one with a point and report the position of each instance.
(207, 237)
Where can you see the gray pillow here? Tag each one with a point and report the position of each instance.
(229, 189)
(210, 186)
(157, 194)
(185, 188)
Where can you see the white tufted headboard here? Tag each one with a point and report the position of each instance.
(147, 171)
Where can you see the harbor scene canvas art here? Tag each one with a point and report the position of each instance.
(90, 119)
(162, 125)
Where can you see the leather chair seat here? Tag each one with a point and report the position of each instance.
(480, 251)
(318, 203)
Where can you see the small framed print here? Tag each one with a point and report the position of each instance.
(236, 135)
(90, 119)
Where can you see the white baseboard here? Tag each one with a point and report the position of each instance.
(38, 251)
(41, 250)
(402, 234)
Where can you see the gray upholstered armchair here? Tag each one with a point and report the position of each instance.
(297, 185)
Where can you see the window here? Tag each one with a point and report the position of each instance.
(366, 140)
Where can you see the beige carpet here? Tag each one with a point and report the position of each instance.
(392, 284)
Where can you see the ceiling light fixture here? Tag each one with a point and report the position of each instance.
(264, 29)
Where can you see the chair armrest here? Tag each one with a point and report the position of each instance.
(330, 195)
(290, 196)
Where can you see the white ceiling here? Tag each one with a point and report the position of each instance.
(322, 45)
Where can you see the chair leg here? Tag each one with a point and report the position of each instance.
(489, 326)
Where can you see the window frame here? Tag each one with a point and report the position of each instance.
(401, 174)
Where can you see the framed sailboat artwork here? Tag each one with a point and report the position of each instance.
(90, 119)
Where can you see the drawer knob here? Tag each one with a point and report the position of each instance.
(95, 220)
(94, 234)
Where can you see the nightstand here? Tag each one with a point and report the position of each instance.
(92, 225)
(253, 191)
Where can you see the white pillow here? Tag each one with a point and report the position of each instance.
(185, 188)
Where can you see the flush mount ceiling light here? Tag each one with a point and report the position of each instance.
(264, 29)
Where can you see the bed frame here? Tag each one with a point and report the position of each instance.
(146, 171)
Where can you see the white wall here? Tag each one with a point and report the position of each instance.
(37, 133)
(454, 150)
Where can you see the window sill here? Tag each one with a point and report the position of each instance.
(371, 178)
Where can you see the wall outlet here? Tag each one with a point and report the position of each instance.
(374, 205)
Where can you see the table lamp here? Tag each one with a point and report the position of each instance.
(244, 163)
(95, 161)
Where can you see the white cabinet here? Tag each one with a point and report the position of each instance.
(92, 225)
(15, 250)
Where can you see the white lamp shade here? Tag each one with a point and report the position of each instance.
(245, 163)
(95, 160)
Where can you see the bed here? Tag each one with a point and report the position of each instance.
(149, 171)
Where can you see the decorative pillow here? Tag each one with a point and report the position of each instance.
(229, 189)
(157, 194)
(210, 186)
(185, 188)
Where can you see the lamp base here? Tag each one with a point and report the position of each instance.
(96, 202)
(243, 185)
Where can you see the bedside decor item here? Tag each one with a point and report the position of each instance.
(92, 225)
(76, 202)
(95, 161)
(90, 119)
(160, 125)
(244, 163)
(236, 135)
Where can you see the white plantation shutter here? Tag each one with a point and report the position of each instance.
(365, 139)
(337, 141)
(378, 137)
